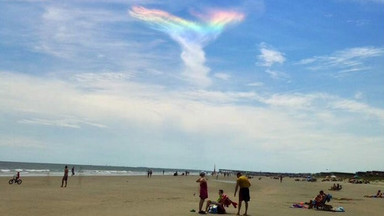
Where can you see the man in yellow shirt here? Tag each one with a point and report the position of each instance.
(244, 184)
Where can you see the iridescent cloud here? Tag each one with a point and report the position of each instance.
(210, 26)
(191, 35)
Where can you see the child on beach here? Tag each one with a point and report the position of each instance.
(203, 191)
(222, 201)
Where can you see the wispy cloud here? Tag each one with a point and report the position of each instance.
(20, 142)
(255, 84)
(247, 117)
(369, 1)
(67, 122)
(86, 39)
(269, 56)
(222, 76)
(191, 36)
(277, 74)
(344, 61)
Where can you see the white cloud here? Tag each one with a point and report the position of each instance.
(359, 95)
(21, 142)
(193, 57)
(66, 122)
(222, 76)
(367, 1)
(344, 61)
(269, 56)
(277, 74)
(256, 84)
(223, 119)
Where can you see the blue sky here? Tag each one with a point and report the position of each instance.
(289, 86)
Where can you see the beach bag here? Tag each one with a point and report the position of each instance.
(212, 209)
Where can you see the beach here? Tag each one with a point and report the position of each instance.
(169, 195)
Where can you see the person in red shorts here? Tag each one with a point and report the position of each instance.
(244, 184)
(203, 191)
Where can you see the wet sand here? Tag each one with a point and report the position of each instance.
(168, 195)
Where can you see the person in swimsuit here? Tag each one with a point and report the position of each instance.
(379, 194)
(203, 191)
(65, 177)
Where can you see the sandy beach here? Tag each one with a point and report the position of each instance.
(168, 195)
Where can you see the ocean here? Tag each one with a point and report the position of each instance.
(50, 169)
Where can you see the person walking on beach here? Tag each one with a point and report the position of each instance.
(65, 177)
(203, 191)
(73, 171)
(244, 184)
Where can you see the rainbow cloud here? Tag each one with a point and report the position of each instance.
(192, 36)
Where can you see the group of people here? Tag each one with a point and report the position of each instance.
(64, 180)
(149, 173)
(223, 201)
(336, 187)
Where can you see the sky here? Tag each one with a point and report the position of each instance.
(260, 85)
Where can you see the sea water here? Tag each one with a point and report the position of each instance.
(49, 169)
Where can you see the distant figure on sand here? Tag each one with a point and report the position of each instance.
(222, 202)
(244, 184)
(149, 173)
(73, 171)
(336, 187)
(203, 191)
(16, 176)
(65, 177)
(379, 194)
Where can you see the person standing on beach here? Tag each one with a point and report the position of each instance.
(73, 171)
(244, 184)
(203, 191)
(65, 177)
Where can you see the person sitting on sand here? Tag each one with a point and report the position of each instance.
(222, 202)
(320, 200)
(336, 187)
(379, 194)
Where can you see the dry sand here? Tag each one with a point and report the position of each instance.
(168, 195)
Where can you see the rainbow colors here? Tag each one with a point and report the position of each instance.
(210, 26)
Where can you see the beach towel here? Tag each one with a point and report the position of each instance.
(228, 202)
(299, 205)
(339, 209)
